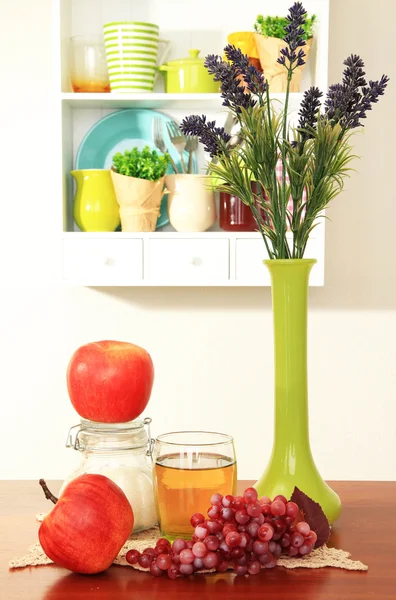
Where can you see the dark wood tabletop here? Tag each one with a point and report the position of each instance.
(366, 528)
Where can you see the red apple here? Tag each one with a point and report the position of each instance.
(88, 525)
(110, 382)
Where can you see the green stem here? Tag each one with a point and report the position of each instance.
(283, 240)
(257, 219)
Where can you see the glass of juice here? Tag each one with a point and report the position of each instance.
(190, 466)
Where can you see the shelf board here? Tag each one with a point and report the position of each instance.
(157, 100)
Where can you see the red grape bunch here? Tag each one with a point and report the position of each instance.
(243, 533)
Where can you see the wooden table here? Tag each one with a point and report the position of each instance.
(367, 529)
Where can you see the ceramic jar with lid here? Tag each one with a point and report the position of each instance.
(188, 76)
(122, 452)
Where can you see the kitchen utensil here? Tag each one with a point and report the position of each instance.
(120, 131)
(88, 66)
(189, 466)
(188, 75)
(95, 204)
(132, 50)
(178, 139)
(191, 147)
(159, 140)
(191, 202)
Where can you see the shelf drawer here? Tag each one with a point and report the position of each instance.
(249, 257)
(188, 261)
(103, 261)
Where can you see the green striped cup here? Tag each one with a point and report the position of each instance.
(132, 52)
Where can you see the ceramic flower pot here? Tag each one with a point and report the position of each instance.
(139, 201)
(269, 51)
(191, 202)
(291, 463)
(95, 205)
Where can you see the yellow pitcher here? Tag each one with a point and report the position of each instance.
(95, 204)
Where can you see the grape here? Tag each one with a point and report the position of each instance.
(223, 566)
(178, 545)
(278, 508)
(266, 509)
(155, 569)
(249, 545)
(253, 528)
(132, 556)
(281, 498)
(238, 503)
(305, 549)
(228, 527)
(265, 500)
(259, 519)
(237, 552)
(201, 531)
(311, 538)
(277, 550)
(144, 561)
(289, 521)
(297, 540)
(214, 511)
(190, 543)
(227, 501)
(224, 547)
(198, 564)
(251, 557)
(163, 561)
(242, 560)
(240, 570)
(250, 495)
(227, 513)
(254, 509)
(265, 558)
(265, 532)
(212, 543)
(242, 517)
(254, 567)
(303, 528)
(163, 542)
(216, 499)
(279, 524)
(149, 552)
(271, 564)
(173, 572)
(197, 519)
(199, 549)
(186, 556)
(260, 547)
(292, 551)
(292, 510)
(162, 550)
(219, 536)
(213, 527)
(244, 540)
(285, 542)
(186, 569)
(233, 539)
(210, 560)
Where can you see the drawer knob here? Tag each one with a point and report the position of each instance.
(108, 262)
(196, 261)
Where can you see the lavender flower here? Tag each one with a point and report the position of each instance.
(309, 110)
(294, 37)
(232, 90)
(348, 102)
(213, 138)
(252, 77)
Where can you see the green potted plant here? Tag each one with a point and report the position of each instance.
(138, 178)
(313, 159)
(269, 36)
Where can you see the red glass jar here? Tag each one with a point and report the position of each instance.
(235, 215)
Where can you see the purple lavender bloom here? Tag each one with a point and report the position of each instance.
(348, 102)
(309, 110)
(213, 138)
(294, 33)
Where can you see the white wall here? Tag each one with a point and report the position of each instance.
(212, 348)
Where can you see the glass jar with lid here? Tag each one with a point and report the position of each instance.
(122, 452)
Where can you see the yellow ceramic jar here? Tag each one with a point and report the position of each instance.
(95, 204)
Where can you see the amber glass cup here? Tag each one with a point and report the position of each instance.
(189, 467)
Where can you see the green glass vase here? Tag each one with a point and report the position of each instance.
(291, 463)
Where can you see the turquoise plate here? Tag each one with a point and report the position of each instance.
(120, 131)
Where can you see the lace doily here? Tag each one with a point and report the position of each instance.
(321, 557)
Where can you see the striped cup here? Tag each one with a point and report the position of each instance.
(132, 55)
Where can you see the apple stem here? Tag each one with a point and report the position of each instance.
(47, 492)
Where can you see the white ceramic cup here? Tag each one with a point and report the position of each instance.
(191, 202)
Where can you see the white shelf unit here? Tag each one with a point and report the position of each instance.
(165, 257)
